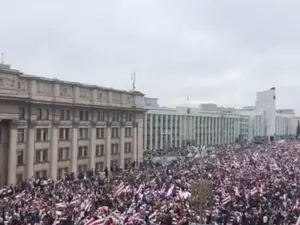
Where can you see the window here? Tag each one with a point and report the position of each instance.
(84, 115)
(21, 135)
(41, 174)
(114, 149)
(42, 134)
(82, 168)
(114, 163)
(20, 157)
(100, 133)
(82, 151)
(63, 154)
(128, 147)
(128, 117)
(42, 114)
(22, 113)
(115, 116)
(62, 171)
(83, 133)
(100, 166)
(101, 116)
(41, 155)
(45, 115)
(38, 113)
(99, 150)
(115, 132)
(64, 114)
(64, 133)
(128, 132)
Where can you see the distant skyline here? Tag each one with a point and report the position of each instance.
(213, 51)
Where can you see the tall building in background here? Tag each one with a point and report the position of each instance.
(266, 102)
(49, 127)
(210, 124)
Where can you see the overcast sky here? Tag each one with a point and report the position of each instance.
(211, 50)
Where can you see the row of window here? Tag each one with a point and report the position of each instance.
(84, 115)
(99, 166)
(42, 134)
(42, 155)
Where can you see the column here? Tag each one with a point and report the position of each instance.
(156, 132)
(139, 131)
(122, 144)
(108, 145)
(166, 133)
(202, 131)
(54, 150)
(30, 149)
(176, 131)
(180, 131)
(171, 131)
(219, 129)
(151, 133)
(205, 131)
(134, 142)
(74, 149)
(145, 131)
(209, 130)
(92, 146)
(12, 154)
(161, 132)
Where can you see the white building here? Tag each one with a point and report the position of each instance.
(210, 124)
(165, 127)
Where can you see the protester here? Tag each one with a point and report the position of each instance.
(252, 184)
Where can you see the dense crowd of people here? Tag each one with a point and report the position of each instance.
(252, 185)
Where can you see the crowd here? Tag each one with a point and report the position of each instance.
(252, 185)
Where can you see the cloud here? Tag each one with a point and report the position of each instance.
(220, 51)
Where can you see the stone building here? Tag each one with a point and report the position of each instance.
(49, 127)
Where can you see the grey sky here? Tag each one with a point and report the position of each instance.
(216, 50)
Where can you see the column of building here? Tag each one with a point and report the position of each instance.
(151, 132)
(156, 132)
(171, 130)
(134, 142)
(145, 131)
(108, 145)
(167, 132)
(194, 132)
(30, 149)
(219, 130)
(180, 130)
(92, 153)
(139, 142)
(161, 131)
(202, 131)
(54, 150)
(122, 145)
(176, 131)
(214, 131)
(74, 150)
(205, 131)
(198, 130)
(12, 153)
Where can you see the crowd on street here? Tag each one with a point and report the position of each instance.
(252, 185)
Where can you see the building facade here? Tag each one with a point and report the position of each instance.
(49, 127)
(166, 127)
(209, 124)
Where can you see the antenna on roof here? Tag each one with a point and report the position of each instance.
(2, 58)
(133, 75)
